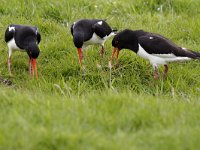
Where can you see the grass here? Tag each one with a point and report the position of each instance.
(88, 123)
(122, 108)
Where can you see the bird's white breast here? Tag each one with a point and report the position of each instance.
(12, 45)
(95, 39)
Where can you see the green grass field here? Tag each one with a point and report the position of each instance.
(118, 109)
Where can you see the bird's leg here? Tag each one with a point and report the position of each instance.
(9, 61)
(30, 66)
(155, 73)
(9, 66)
(101, 54)
(165, 71)
(80, 56)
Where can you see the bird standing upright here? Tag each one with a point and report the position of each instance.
(90, 31)
(153, 47)
(23, 38)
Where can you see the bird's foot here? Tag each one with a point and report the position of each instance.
(99, 66)
(83, 68)
(165, 72)
(11, 75)
(156, 76)
(110, 65)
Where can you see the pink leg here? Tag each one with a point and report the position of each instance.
(30, 67)
(165, 71)
(155, 73)
(9, 66)
(101, 54)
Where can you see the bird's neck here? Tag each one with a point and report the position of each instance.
(78, 39)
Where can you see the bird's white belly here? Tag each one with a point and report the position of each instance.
(153, 59)
(12, 45)
(95, 39)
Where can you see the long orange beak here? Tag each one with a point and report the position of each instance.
(113, 54)
(34, 68)
(80, 56)
(117, 55)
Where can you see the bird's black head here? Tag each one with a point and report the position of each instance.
(33, 50)
(127, 39)
(117, 42)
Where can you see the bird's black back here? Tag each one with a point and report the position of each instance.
(22, 35)
(152, 43)
(83, 30)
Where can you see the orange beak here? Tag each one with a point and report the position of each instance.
(34, 68)
(80, 56)
(113, 54)
(117, 55)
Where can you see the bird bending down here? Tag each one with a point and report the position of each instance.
(23, 38)
(90, 31)
(153, 47)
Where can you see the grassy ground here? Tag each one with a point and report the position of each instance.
(122, 108)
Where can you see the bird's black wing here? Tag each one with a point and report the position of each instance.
(26, 34)
(9, 34)
(157, 44)
(101, 29)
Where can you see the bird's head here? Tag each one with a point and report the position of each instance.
(116, 42)
(33, 52)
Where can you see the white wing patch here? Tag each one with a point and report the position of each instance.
(73, 25)
(170, 55)
(11, 28)
(100, 22)
(37, 31)
(150, 37)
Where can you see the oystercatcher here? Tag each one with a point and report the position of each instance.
(90, 31)
(23, 38)
(153, 47)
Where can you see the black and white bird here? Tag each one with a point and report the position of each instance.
(90, 31)
(153, 47)
(23, 38)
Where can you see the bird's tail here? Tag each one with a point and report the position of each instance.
(197, 54)
(191, 54)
